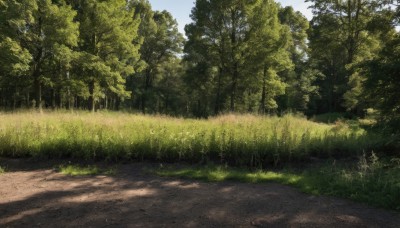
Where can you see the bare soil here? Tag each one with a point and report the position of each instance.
(35, 195)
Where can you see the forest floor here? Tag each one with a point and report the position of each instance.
(36, 195)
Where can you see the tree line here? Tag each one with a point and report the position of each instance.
(238, 56)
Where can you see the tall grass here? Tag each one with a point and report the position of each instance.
(244, 140)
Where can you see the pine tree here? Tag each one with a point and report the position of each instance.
(242, 45)
(109, 48)
(161, 43)
(38, 26)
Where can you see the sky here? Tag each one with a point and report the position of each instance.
(181, 9)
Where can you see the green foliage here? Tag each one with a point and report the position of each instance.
(301, 80)
(237, 48)
(254, 141)
(14, 59)
(328, 117)
(370, 180)
(162, 42)
(109, 53)
(343, 35)
(31, 30)
(2, 170)
(382, 84)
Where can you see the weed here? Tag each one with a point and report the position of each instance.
(76, 170)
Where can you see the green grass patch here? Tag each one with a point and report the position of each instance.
(2, 170)
(239, 140)
(77, 170)
(370, 181)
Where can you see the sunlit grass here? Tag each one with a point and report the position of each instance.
(77, 170)
(371, 182)
(2, 170)
(240, 140)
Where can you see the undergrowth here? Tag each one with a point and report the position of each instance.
(370, 180)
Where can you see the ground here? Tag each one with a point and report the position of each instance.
(39, 196)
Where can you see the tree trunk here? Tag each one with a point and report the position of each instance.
(92, 104)
(147, 84)
(53, 99)
(38, 92)
(263, 93)
(117, 103)
(234, 86)
(218, 98)
(36, 71)
(235, 73)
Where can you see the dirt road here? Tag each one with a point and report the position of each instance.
(41, 197)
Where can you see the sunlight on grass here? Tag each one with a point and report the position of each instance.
(217, 173)
(240, 140)
(375, 183)
(76, 170)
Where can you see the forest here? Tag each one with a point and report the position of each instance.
(252, 92)
(236, 56)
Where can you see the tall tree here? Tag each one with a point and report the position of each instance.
(301, 89)
(38, 26)
(241, 44)
(162, 42)
(269, 42)
(109, 48)
(14, 66)
(341, 37)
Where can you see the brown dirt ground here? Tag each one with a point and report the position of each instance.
(38, 196)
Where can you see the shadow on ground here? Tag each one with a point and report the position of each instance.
(41, 197)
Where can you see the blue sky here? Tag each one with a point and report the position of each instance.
(181, 9)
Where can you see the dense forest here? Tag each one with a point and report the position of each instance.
(251, 56)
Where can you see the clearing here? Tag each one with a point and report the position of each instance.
(35, 195)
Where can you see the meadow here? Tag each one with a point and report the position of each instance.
(340, 159)
(237, 140)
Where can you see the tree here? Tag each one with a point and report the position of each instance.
(269, 43)
(38, 26)
(382, 83)
(301, 89)
(239, 49)
(161, 43)
(341, 37)
(14, 65)
(109, 48)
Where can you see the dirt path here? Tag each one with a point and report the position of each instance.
(45, 198)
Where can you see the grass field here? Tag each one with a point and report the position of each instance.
(256, 142)
(244, 140)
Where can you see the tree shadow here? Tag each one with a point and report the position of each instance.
(132, 198)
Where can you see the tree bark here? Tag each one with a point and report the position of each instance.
(218, 97)
(92, 104)
(263, 93)
(147, 84)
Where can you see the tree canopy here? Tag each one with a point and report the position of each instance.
(237, 56)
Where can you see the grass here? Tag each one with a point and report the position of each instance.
(239, 140)
(2, 170)
(370, 181)
(77, 170)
